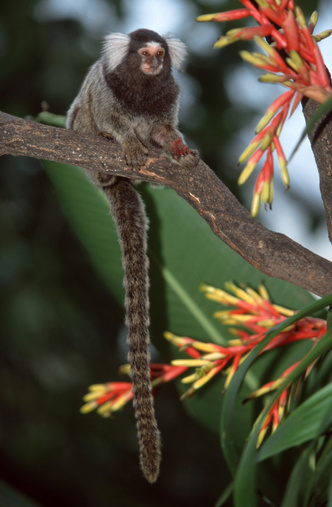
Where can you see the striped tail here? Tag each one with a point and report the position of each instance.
(128, 211)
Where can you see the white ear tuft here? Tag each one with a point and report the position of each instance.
(177, 50)
(115, 49)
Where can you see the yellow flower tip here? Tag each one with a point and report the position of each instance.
(291, 63)
(300, 16)
(187, 394)
(233, 331)
(229, 322)
(223, 41)
(243, 293)
(240, 319)
(264, 45)
(264, 121)
(255, 205)
(261, 437)
(105, 410)
(124, 369)
(88, 407)
(246, 173)
(255, 59)
(281, 412)
(234, 32)
(213, 296)
(175, 340)
(93, 396)
(267, 192)
(206, 17)
(231, 287)
(229, 378)
(235, 343)
(322, 35)
(100, 388)
(313, 19)
(205, 347)
(262, 390)
(214, 356)
(264, 3)
(284, 172)
(204, 379)
(268, 77)
(205, 288)
(266, 323)
(168, 335)
(255, 295)
(284, 311)
(189, 379)
(263, 292)
(248, 151)
(266, 141)
(221, 315)
(189, 362)
(296, 59)
(120, 402)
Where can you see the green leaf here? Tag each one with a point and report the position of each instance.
(245, 479)
(184, 253)
(48, 118)
(306, 422)
(87, 210)
(301, 474)
(9, 497)
(320, 483)
(245, 474)
(225, 495)
(329, 318)
(228, 411)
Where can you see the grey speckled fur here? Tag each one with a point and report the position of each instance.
(117, 99)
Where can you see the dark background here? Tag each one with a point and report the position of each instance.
(58, 323)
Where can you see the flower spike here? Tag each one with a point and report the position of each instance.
(251, 314)
(292, 59)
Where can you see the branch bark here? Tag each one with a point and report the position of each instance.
(272, 253)
(321, 143)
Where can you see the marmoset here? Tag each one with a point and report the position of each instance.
(131, 95)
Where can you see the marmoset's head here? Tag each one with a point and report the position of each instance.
(144, 50)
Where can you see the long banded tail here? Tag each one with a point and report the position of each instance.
(128, 211)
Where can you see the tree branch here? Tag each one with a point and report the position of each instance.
(272, 253)
(320, 138)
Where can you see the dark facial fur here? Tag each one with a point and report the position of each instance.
(142, 94)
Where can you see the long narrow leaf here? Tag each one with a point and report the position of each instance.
(227, 415)
(246, 473)
(184, 253)
(303, 424)
(300, 473)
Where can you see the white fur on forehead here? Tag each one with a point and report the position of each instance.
(177, 50)
(153, 44)
(115, 49)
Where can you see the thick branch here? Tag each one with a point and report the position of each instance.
(321, 143)
(272, 253)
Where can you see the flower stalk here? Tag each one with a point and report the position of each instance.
(249, 315)
(290, 57)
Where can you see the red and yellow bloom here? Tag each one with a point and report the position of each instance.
(250, 315)
(292, 59)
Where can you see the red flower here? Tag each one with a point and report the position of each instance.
(293, 59)
(250, 315)
(112, 396)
